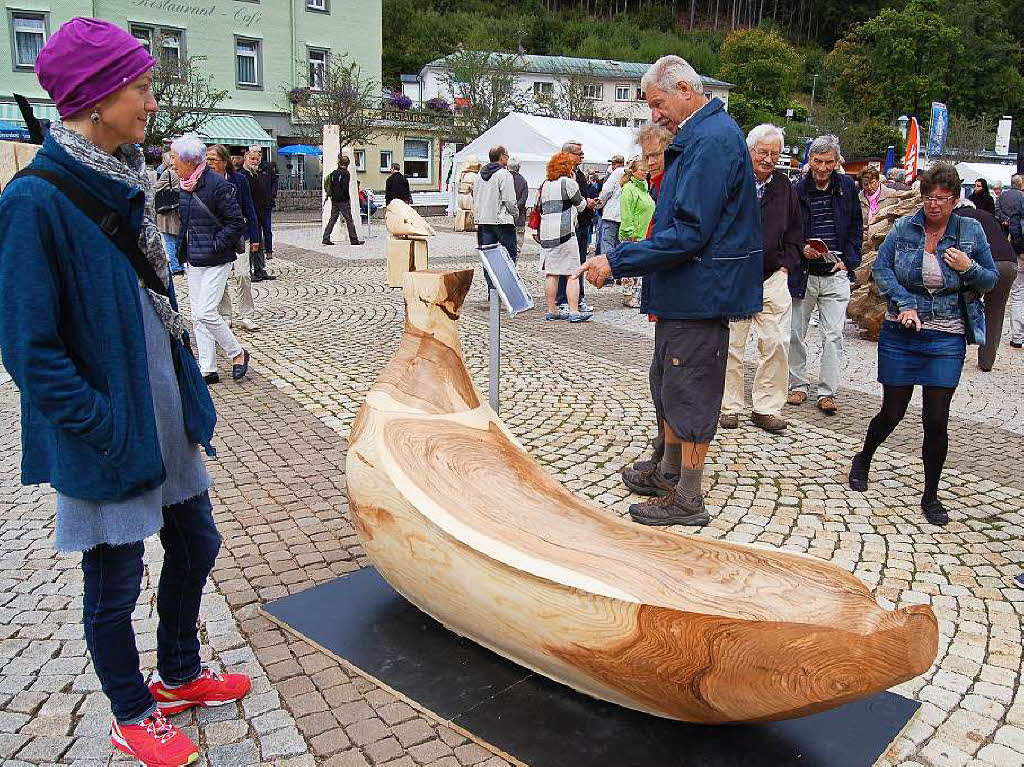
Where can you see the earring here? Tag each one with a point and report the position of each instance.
(95, 117)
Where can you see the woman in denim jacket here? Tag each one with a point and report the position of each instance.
(932, 270)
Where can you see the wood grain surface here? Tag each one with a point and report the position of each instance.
(466, 525)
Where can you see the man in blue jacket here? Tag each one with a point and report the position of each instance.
(701, 267)
(830, 209)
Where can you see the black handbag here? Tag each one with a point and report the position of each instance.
(198, 412)
(167, 200)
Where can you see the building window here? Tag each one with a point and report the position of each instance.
(620, 122)
(593, 91)
(622, 92)
(247, 62)
(638, 123)
(321, 6)
(317, 68)
(385, 161)
(543, 89)
(360, 159)
(640, 95)
(170, 43)
(29, 33)
(417, 158)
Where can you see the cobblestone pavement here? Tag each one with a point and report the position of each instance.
(577, 398)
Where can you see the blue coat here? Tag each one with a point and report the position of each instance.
(898, 271)
(203, 241)
(244, 197)
(73, 340)
(849, 225)
(703, 258)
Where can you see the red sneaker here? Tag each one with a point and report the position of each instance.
(155, 742)
(207, 689)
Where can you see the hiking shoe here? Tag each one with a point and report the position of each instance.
(796, 397)
(560, 316)
(649, 480)
(858, 478)
(729, 421)
(1018, 581)
(208, 689)
(155, 742)
(827, 405)
(671, 510)
(580, 317)
(768, 422)
(934, 512)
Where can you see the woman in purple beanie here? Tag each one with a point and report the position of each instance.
(113, 406)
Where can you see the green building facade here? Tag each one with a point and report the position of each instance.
(256, 50)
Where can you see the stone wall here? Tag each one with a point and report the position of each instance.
(298, 199)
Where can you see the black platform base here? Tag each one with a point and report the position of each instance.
(360, 619)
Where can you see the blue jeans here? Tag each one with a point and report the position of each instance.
(488, 234)
(266, 229)
(171, 246)
(113, 581)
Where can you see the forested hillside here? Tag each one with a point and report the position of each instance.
(875, 59)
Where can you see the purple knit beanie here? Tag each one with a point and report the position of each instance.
(87, 60)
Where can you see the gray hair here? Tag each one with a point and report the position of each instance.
(189, 148)
(256, 148)
(513, 164)
(766, 132)
(1017, 181)
(996, 185)
(668, 71)
(827, 144)
(568, 145)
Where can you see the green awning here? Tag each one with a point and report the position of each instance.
(239, 130)
(9, 112)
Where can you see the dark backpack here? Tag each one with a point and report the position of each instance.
(167, 200)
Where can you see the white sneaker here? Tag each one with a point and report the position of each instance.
(247, 325)
(586, 308)
(564, 308)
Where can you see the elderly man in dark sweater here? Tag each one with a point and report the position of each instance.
(783, 240)
(830, 208)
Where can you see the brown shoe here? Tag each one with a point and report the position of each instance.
(671, 510)
(649, 480)
(827, 405)
(796, 397)
(729, 421)
(768, 422)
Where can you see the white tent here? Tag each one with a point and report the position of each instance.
(533, 140)
(990, 171)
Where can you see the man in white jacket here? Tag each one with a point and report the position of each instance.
(611, 194)
(494, 204)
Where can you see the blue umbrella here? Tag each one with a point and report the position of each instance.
(890, 160)
(12, 132)
(303, 149)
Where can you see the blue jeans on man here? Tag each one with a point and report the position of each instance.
(113, 582)
(489, 234)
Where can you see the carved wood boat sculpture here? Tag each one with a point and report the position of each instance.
(466, 525)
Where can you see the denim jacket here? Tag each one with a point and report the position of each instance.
(897, 272)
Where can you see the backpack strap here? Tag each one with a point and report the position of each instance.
(109, 222)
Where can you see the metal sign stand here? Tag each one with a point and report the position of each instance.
(495, 349)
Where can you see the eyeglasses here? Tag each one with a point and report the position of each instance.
(764, 153)
(939, 200)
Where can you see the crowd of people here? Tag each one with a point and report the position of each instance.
(700, 229)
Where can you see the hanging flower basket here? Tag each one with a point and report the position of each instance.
(298, 95)
(439, 104)
(398, 101)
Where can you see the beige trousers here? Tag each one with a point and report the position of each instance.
(771, 381)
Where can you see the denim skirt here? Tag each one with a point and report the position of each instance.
(908, 357)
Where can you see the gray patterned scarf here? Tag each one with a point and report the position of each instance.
(129, 167)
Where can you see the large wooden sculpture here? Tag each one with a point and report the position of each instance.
(466, 525)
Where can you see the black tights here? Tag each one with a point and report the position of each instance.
(935, 418)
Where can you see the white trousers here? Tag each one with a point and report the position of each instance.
(830, 294)
(772, 325)
(1017, 305)
(205, 288)
(240, 284)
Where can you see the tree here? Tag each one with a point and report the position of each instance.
(896, 63)
(968, 137)
(763, 66)
(342, 96)
(574, 98)
(186, 97)
(484, 87)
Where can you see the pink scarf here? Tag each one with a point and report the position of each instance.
(873, 201)
(189, 184)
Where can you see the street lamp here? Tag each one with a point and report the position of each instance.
(814, 85)
(903, 121)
